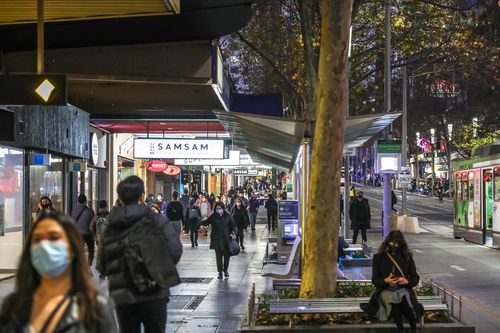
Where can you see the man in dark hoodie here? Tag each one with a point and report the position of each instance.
(133, 307)
(83, 215)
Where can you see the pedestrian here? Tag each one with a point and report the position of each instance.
(184, 200)
(99, 219)
(394, 200)
(54, 291)
(150, 200)
(240, 216)
(352, 193)
(155, 209)
(45, 206)
(205, 208)
(360, 216)
(175, 212)
(134, 242)
(244, 201)
(223, 229)
(160, 203)
(394, 274)
(193, 216)
(82, 214)
(272, 212)
(253, 210)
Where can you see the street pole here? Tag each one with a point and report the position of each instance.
(404, 143)
(346, 197)
(387, 63)
(387, 205)
(40, 36)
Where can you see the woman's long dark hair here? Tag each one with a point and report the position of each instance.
(28, 279)
(396, 236)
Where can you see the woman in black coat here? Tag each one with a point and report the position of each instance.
(223, 229)
(240, 215)
(394, 274)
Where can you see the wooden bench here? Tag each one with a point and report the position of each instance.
(284, 270)
(340, 305)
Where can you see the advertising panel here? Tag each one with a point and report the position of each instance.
(178, 148)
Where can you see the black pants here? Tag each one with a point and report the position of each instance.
(193, 231)
(240, 235)
(152, 314)
(400, 310)
(357, 228)
(271, 221)
(89, 241)
(219, 255)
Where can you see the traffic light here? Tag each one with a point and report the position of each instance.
(184, 177)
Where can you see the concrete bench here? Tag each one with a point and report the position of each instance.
(284, 270)
(340, 305)
(295, 283)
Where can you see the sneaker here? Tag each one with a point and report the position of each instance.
(226, 274)
(220, 276)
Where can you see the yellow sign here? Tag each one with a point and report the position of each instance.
(45, 89)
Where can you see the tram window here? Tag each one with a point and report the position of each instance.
(471, 186)
(496, 183)
(465, 192)
(459, 187)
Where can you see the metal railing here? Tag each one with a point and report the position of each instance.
(251, 306)
(451, 299)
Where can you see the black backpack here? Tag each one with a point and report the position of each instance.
(147, 258)
(193, 214)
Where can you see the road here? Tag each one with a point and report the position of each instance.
(470, 270)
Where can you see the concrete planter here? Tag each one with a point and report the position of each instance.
(454, 327)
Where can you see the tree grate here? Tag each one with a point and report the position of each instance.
(194, 303)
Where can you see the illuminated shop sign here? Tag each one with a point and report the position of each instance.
(178, 148)
(233, 160)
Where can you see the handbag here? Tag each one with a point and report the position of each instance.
(233, 247)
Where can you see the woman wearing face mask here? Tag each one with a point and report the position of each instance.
(240, 215)
(54, 291)
(45, 207)
(394, 274)
(223, 229)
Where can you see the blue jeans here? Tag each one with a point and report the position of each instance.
(253, 219)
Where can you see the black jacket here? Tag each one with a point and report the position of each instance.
(222, 226)
(382, 266)
(240, 216)
(112, 262)
(175, 211)
(271, 206)
(359, 213)
(82, 214)
(69, 321)
(193, 222)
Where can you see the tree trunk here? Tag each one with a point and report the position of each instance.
(322, 226)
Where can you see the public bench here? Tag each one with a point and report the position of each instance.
(295, 283)
(285, 269)
(340, 305)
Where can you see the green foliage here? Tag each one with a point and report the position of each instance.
(469, 138)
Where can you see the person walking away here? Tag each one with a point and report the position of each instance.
(352, 193)
(240, 216)
(360, 216)
(244, 201)
(175, 212)
(184, 200)
(54, 291)
(140, 251)
(394, 274)
(223, 229)
(205, 210)
(394, 200)
(193, 216)
(272, 212)
(45, 207)
(150, 200)
(82, 214)
(98, 220)
(253, 210)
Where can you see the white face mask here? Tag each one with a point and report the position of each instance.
(159, 198)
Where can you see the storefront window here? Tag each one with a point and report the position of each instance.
(47, 181)
(496, 183)
(11, 207)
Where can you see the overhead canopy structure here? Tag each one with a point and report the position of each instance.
(274, 141)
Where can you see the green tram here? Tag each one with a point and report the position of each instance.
(476, 191)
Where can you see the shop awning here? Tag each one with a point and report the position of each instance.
(275, 141)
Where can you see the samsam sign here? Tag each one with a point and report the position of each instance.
(178, 148)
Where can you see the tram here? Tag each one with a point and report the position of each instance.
(476, 191)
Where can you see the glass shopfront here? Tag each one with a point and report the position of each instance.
(47, 181)
(11, 208)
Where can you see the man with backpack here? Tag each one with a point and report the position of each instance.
(184, 200)
(83, 215)
(140, 251)
(98, 221)
(175, 212)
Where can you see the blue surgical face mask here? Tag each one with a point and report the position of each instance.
(50, 258)
(219, 211)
